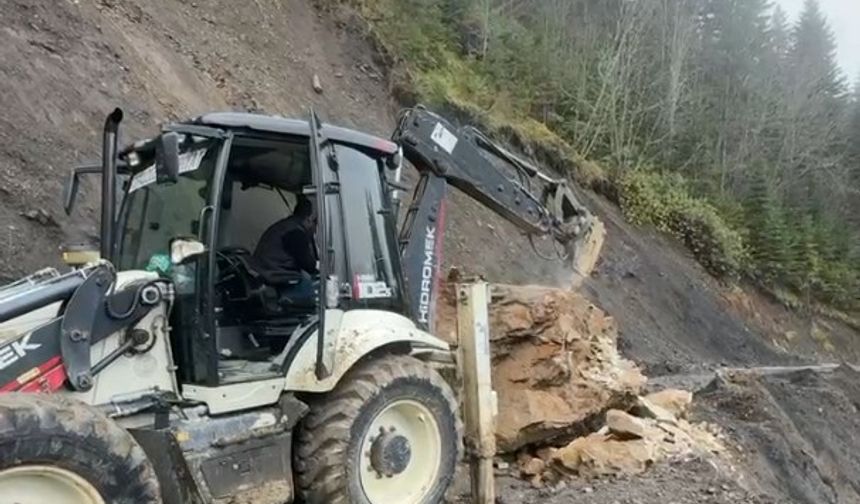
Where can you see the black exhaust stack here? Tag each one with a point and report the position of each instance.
(109, 150)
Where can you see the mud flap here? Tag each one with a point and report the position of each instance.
(257, 470)
(245, 457)
(174, 477)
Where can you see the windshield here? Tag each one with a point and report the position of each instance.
(153, 214)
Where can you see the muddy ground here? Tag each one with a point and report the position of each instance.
(65, 63)
(795, 432)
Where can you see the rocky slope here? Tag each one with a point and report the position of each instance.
(64, 65)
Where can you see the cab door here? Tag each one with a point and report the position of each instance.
(324, 191)
(156, 212)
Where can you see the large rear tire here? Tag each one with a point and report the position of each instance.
(54, 449)
(389, 433)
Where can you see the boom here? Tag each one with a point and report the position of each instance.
(464, 158)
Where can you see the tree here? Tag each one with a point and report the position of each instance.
(853, 143)
(768, 238)
(733, 42)
(752, 110)
(779, 35)
(815, 104)
(813, 54)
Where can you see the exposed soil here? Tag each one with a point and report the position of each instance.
(821, 338)
(795, 432)
(671, 312)
(682, 481)
(65, 64)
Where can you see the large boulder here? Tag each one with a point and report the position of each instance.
(556, 367)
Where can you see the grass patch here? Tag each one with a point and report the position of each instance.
(425, 66)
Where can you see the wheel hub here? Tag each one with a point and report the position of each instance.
(390, 453)
(46, 483)
(388, 471)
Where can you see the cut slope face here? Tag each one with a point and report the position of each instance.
(671, 313)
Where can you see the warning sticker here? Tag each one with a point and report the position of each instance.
(373, 290)
(142, 179)
(367, 287)
(188, 162)
(444, 138)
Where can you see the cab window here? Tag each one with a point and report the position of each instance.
(365, 228)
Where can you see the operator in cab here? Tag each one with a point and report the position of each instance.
(286, 255)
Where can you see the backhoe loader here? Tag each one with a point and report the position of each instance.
(168, 368)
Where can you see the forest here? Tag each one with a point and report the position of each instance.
(718, 121)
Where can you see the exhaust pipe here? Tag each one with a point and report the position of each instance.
(109, 150)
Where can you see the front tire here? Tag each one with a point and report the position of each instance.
(389, 433)
(54, 449)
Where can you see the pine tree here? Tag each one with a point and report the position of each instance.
(779, 35)
(813, 54)
(815, 106)
(852, 142)
(767, 231)
(803, 256)
(734, 43)
(775, 78)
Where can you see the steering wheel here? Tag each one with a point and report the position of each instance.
(229, 265)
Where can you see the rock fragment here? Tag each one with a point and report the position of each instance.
(674, 401)
(625, 426)
(647, 409)
(532, 466)
(598, 455)
(41, 216)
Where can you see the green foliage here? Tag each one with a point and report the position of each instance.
(414, 30)
(665, 202)
(767, 234)
(746, 115)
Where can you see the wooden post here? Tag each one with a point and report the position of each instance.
(479, 400)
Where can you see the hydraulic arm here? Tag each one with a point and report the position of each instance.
(44, 357)
(466, 159)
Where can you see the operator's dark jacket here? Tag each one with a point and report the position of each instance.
(284, 250)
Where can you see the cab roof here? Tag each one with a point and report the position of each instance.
(281, 125)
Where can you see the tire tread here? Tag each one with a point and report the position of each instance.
(57, 418)
(327, 428)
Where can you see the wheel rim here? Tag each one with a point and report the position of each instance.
(36, 484)
(400, 454)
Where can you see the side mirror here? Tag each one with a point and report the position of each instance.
(183, 249)
(394, 162)
(70, 191)
(167, 157)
